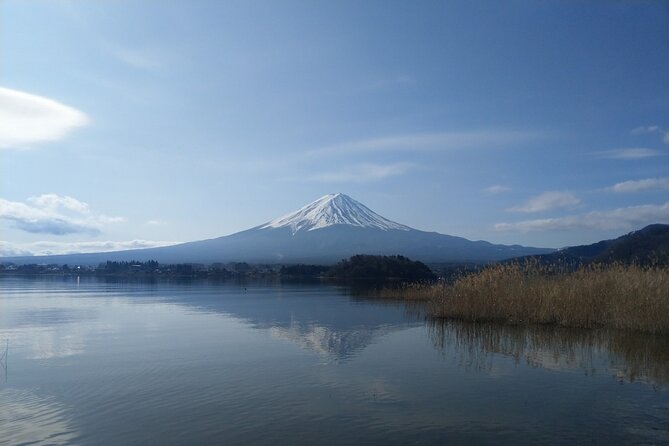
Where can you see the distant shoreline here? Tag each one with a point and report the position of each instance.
(368, 267)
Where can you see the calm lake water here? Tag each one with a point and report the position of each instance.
(94, 362)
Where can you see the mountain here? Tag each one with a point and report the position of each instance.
(646, 246)
(331, 228)
(330, 210)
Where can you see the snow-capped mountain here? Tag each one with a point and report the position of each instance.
(333, 209)
(325, 231)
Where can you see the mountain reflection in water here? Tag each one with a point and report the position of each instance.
(336, 328)
(103, 362)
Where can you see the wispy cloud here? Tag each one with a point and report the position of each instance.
(645, 129)
(621, 218)
(363, 173)
(156, 223)
(54, 214)
(496, 189)
(8, 249)
(427, 141)
(27, 119)
(639, 185)
(142, 59)
(651, 129)
(629, 153)
(547, 201)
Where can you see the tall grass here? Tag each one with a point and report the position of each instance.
(616, 296)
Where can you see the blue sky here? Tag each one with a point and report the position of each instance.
(138, 123)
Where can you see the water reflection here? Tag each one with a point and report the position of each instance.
(319, 318)
(4, 358)
(48, 420)
(56, 330)
(339, 344)
(629, 356)
(203, 363)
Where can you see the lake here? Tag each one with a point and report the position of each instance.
(102, 362)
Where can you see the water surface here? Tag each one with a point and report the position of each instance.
(94, 362)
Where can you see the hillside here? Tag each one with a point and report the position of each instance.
(646, 246)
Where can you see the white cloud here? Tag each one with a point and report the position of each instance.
(54, 214)
(639, 185)
(363, 173)
(629, 153)
(496, 189)
(627, 218)
(547, 201)
(645, 129)
(27, 119)
(8, 249)
(428, 141)
(55, 202)
(155, 223)
(666, 137)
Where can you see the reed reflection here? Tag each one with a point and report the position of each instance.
(629, 356)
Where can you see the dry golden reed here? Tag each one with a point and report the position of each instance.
(616, 296)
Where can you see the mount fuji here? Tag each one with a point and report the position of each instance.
(325, 231)
(330, 210)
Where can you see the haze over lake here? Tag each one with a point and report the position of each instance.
(104, 362)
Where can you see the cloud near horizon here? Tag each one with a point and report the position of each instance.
(27, 119)
(547, 201)
(627, 218)
(8, 249)
(639, 185)
(54, 214)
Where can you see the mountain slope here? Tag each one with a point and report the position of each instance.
(333, 209)
(331, 228)
(649, 245)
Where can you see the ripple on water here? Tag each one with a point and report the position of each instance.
(27, 418)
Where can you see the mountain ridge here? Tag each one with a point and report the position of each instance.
(329, 229)
(646, 246)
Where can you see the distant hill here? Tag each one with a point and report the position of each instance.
(380, 268)
(323, 232)
(647, 246)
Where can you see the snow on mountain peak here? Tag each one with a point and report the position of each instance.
(333, 209)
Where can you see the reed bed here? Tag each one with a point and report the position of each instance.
(616, 296)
